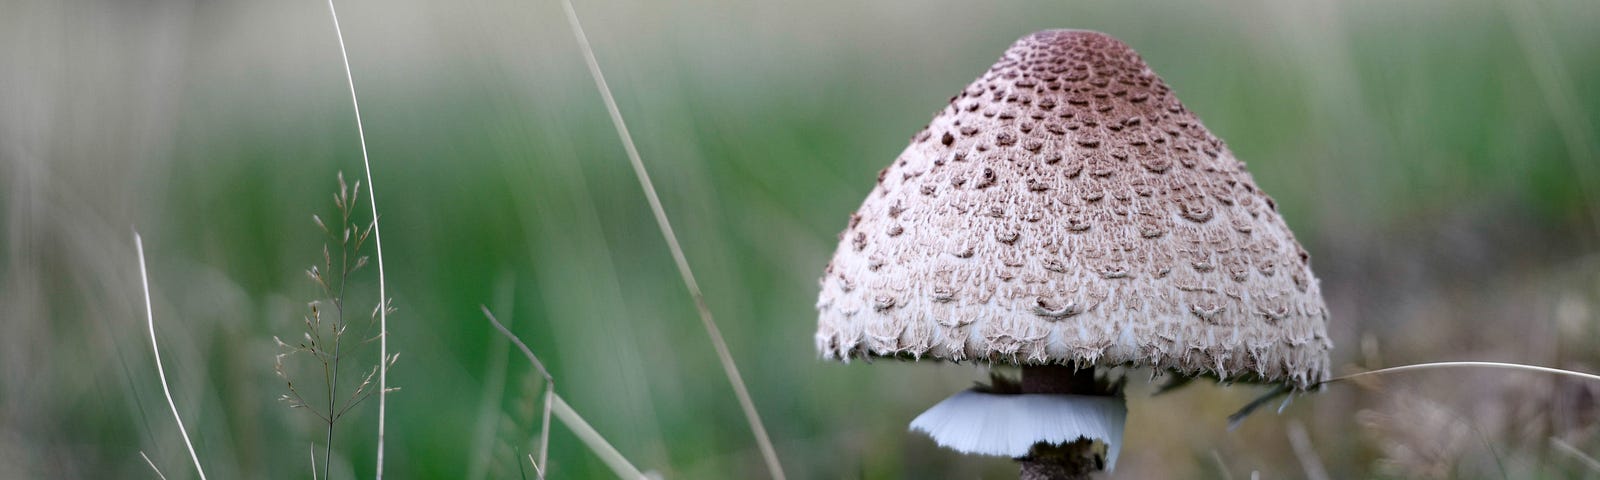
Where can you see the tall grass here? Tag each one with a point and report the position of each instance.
(155, 350)
(1285, 391)
(325, 341)
(555, 404)
(383, 297)
(729, 368)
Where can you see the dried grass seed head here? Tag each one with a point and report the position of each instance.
(1065, 208)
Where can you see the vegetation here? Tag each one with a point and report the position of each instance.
(1430, 156)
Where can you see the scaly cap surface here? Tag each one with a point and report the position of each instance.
(1065, 208)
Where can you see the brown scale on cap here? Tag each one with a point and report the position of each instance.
(1067, 209)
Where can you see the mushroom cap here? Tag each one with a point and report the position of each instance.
(1065, 208)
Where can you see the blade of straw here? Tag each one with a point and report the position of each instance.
(149, 313)
(751, 415)
(494, 386)
(153, 466)
(1233, 420)
(598, 444)
(549, 391)
(377, 239)
(591, 438)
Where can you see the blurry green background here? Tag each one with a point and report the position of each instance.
(1437, 157)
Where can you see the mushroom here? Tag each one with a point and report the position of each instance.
(1066, 214)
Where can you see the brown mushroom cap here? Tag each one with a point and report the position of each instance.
(1065, 208)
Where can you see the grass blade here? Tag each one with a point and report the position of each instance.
(594, 441)
(549, 392)
(1237, 417)
(553, 403)
(149, 313)
(494, 387)
(768, 453)
(1440, 365)
(377, 239)
(153, 466)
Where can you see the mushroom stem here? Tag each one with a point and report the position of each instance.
(1072, 460)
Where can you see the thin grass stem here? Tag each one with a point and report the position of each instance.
(598, 444)
(553, 403)
(528, 352)
(1233, 420)
(1442, 365)
(377, 237)
(544, 429)
(549, 391)
(536, 467)
(150, 315)
(494, 387)
(732, 370)
(153, 466)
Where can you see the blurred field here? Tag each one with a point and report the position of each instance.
(1438, 158)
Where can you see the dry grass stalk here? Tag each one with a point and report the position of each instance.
(549, 393)
(594, 441)
(1233, 420)
(157, 470)
(324, 341)
(768, 453)
(555, 404)
(1442, 365)
(372, 202)
(150, 315)
(494, 387)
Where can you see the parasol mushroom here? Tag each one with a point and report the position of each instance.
(1066, 214)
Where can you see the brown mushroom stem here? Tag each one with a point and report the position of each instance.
(1073, 460)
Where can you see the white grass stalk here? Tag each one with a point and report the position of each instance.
(150, 315)
(153, 465)
(553, 403)
(591, 438)
(1239, 416)
(544, 429)
(377, 238)
(494, 387)
(536, 468)
(732, 370)
(549, 392)
(1442, 365)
